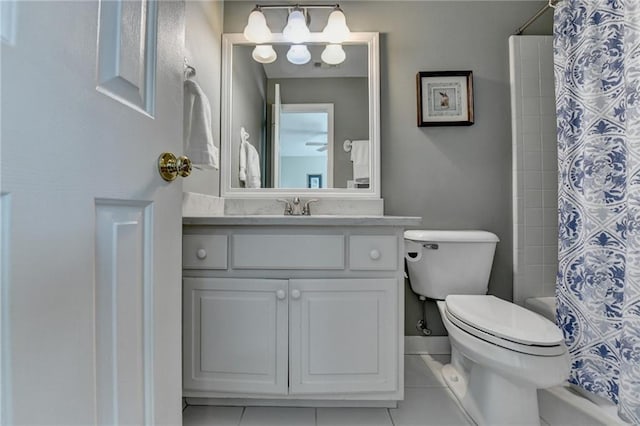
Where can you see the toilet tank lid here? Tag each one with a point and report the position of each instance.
(451, 236)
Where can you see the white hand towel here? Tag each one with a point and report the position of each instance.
(249, 163)
(360, 158)
(198, 139)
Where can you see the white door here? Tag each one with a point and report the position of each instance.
(91, 290)
(343, 335)
(235, 336)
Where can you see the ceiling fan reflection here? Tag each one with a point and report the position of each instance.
(322, 145)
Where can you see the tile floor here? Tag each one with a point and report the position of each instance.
(427, 401)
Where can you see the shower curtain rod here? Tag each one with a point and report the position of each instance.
(550, 4)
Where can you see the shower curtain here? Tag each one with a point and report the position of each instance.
(597, 73)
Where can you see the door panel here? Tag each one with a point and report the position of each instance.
(92, 325)
(5, 262)
(123, 308)
(126, 52)
(235, 335)
(343, 335)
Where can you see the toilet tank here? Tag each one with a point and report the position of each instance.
(449, 262)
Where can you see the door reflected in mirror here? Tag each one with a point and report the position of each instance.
(303, 146)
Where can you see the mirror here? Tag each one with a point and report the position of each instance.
(311, 128)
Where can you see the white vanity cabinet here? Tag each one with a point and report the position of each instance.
(235, 335)
(293, 314)
(343, 335)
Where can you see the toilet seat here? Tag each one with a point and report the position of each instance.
(505, 324)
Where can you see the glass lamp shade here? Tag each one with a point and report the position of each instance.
(298, 54)
(296, 30)
(257, 30)
(333, 54)
(264, 54)
(336, 30)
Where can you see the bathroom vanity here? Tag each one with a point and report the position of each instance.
(294, 310)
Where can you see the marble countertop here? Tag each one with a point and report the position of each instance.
(317, 220)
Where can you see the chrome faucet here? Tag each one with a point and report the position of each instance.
(288, 210)
(306, 210)
(296, 208)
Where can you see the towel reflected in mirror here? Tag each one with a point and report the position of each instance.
(249, 172)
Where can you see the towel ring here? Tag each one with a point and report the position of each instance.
(347, 145)
(189, 71)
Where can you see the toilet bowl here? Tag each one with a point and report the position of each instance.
(501, 353)
(496, 375)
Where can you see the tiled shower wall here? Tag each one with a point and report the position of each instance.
(535, 167)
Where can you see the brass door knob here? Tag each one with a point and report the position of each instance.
(171, 167)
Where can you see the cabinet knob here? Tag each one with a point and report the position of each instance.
(201, 254)
(280, 294)
(374, 254)
(295, 294)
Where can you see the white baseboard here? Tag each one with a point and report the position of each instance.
(254, 402)
(419, 345)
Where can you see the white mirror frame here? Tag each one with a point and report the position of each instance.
(371, 39)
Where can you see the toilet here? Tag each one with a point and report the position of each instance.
(501, 353)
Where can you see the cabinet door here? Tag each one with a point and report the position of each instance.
(235, 335)
(343, 336)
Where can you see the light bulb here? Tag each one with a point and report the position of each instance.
(333, 54)
(257, 30)
(336, 30)
(296, 30)
(264, 54)
(298, 54)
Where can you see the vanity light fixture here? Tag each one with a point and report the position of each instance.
(336, 30)
(257, 30)
(298, 54)
(297, 33)
(264, 54)
(333, 54)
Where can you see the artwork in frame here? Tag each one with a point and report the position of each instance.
(314, 181)
(445, 98)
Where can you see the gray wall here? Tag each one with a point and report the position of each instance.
(297, 169)
(349, 96)
(249, 105)
(203, 42)
(453, 177)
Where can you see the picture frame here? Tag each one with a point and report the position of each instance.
(445, 98)
(314, 181)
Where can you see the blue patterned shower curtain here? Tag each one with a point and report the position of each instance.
(597, 72)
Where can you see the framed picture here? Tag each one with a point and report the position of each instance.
(314, 181)
(445, 98)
